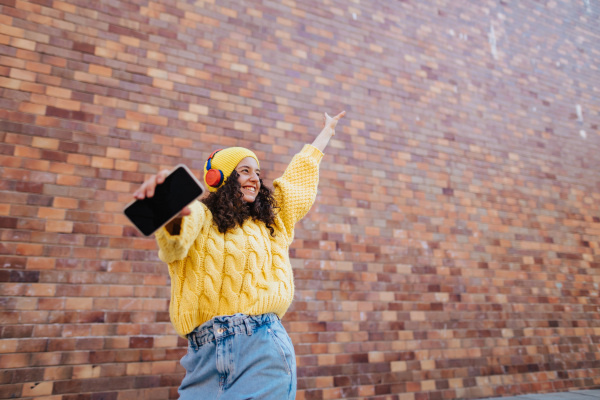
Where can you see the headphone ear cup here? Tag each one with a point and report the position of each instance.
(214, 177)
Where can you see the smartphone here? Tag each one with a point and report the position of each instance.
(178, 190)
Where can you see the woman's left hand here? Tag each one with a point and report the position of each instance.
(328, 131)
(331, 122)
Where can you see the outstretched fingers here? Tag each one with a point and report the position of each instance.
(331, 122)
(340, 115)
(148, 187)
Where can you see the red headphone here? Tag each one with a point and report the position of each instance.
(213, 177)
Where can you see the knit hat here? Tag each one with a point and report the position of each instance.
(221, 163)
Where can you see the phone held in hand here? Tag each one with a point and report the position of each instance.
(178, 190)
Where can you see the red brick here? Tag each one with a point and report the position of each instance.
(11, 391)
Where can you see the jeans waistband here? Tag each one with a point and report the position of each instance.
(226, 325)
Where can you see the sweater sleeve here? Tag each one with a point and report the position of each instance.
(176, 247)
(296, 189)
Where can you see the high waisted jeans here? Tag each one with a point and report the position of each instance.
(239, 357)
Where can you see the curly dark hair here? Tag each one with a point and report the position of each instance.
(229, 210)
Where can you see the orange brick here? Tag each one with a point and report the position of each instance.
(86, 371)
(9, 83)
(163, 140)
(171, 151)
(199, 109)
(59, 226)
(51, 213)
(52, 373)
(32, 108)
(38, 67)
(79, 159)
(37, 165)
(78, 303)
(45, 143)
(40, 289)
(29, 249)
(130, 304)
(8, 346)
(68, 180)
(164, 367)
(66, 7)
(102, 162)
(68, 104)
(40, 19)
(39, 263)
(135, 116)
(58, 92)
(22, 75)
(112, 254)
(65, 202)
(157, 120)
(10, 361)
(131, 166)
(100, 70)
(56, 61)
(110, 230)
(85, 77)
(122, 154)
(162, 84)
(13, 31)
(46, 121)
(85, 252)
(6, 20)
(33, 88)
(121, 291)
(62, 168)
(127, 124)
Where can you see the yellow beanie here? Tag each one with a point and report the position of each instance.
(221, 164)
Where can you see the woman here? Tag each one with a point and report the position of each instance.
(231, 278)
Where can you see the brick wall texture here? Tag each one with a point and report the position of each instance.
(454, 248)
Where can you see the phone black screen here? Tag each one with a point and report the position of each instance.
(177, 191)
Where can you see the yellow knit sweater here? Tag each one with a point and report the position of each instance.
(245, 270)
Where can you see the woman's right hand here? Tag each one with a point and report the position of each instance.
(147, 190)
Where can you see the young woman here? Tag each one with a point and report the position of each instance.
(231, 278)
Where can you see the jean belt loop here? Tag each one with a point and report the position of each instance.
(248, 326)
(215, 327)
(193, 339)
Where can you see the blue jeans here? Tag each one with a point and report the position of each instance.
(239, 357)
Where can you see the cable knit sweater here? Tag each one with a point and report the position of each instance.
(245, 270)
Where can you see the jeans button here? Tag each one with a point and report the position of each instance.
(220, 330)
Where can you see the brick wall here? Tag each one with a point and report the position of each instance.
(453, 251)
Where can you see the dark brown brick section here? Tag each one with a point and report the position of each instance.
(454, 248)
(141, 342)
(84, 47)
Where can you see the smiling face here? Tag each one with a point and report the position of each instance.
(249, 178)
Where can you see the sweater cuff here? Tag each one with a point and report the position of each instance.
(164, 238)
(163, 235)
(312, 152)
